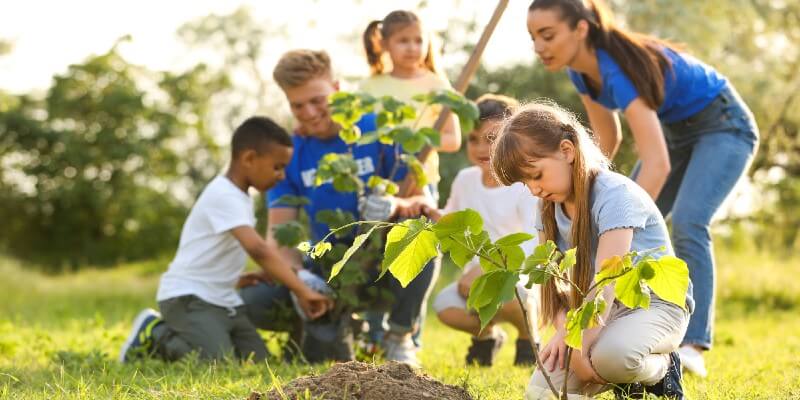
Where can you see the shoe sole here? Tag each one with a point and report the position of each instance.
(137, 324)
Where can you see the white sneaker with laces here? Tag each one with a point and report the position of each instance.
(400, 348)
(692, 360)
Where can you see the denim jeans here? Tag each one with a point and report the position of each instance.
(709, 152)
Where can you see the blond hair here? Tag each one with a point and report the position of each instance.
(297, 67)
(536, 131)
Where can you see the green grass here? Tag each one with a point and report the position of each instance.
(59, 337)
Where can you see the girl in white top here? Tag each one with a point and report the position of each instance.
(505, 210)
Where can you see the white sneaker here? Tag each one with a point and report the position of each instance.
(692, 360)
(400, 348)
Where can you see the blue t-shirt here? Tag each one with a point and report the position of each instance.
(372, 159)
(619, 203)
(689, 86)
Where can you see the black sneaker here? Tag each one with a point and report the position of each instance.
(483, 351)
(670, 386)
(525, 355)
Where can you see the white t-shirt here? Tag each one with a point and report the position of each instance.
(505, 209)
(209, 258)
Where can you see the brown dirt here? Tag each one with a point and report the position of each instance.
(359, 381)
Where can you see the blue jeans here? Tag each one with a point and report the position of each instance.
(709, 152)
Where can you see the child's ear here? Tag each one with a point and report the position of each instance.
(567, 150)
(248, 157)
(582, 29)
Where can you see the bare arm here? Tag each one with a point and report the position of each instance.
(605, 125)
(650, 146)
(277, 216)
(450, 141)
(275, 266)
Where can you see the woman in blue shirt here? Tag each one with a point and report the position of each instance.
(694, 135)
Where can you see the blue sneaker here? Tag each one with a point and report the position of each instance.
(140, 339)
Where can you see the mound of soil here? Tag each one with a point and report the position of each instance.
(359, 381)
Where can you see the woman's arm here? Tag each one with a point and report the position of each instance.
(650, 145)
(605, 126)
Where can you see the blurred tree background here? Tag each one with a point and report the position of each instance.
(104, 166)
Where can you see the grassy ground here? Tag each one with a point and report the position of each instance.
(59, 338)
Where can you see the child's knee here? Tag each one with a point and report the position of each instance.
(615, 363)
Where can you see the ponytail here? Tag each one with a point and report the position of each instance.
(372, 46)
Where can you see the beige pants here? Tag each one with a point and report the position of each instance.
(634, 346)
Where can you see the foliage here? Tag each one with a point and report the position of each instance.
(412, 243)
(394, 126)
(96, 165)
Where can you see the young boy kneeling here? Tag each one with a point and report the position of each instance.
(197, 295)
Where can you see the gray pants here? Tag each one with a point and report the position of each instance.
(192, 324)
(634, 346)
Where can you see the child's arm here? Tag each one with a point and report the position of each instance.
(282, 215)
(450, 139)
(268, 257)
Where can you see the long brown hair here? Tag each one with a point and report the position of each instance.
(536, 131)
(640, 56)
(380, 30)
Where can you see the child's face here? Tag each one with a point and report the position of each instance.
(406, 46)
(551, 177)
(265, 170)
(309, 104)
(554, 41)
(479, 144)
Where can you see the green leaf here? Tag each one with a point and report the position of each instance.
(513, 255)
(458, 222)
(384, 118)
(413, 143)
(541, 255)
(574, 336)
(357, 243)
(289, 200)
(434, 137)
(514, 239)
(368, 138)
(670, 280)
(568, 261)
(457, 249)
(350, 134)
(320, 249)
(289, 234)
(612, 267)
(492, 259)
(488, 293)
(305, 247)
(335, 219)
(631, 291)
(537, 275)
(406, 113)
(409, 247)
(418, 170)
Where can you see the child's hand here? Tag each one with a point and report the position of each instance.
(314, 304)
(412, 207)
(431, 212)
(252, 278)
(554, 353)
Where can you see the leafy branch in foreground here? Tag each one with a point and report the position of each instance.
(412, 243)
